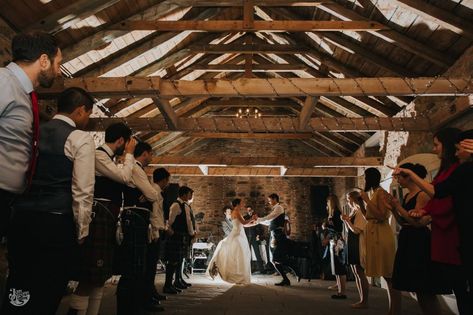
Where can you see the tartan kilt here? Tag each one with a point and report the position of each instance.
(279, 246)
(176, 247)
(132, 252)
(97, 253)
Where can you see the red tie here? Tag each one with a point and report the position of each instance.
(34, 150)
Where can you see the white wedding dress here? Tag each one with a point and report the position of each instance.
(232, 258)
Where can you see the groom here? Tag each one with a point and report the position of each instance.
(278, 242)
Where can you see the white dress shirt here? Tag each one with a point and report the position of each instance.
(175, 210)
(140, 180)
(275, 212)
(104, 166)
(157, 217)
(80, 148)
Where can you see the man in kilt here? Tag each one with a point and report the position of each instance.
(160, 181)
(180, 231)
(97, 252)
(278, 240)
(53, 216)
(140, 236)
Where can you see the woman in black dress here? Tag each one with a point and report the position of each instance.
(413, 267)
(355, 223)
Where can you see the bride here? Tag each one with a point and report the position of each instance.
(232, 258)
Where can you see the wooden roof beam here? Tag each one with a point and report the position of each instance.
(248, 49)
(306, 112)
(167, 111)
(258, 26)
(66, 16)
(104, 35)
(255, 87)
(240, 3)
(392, 36)
(267, 125)
(256, 67)
(440, 16)
(300, 161)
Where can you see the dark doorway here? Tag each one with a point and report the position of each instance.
(318, 200)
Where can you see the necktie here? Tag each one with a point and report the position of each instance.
(34, 148)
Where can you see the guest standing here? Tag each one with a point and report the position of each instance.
(456, 187)
(413, 269)
(253, 234)
(379, 237)
(356, 224)
(53, 216)
(97, 252)
(334, 213)
(36, 61)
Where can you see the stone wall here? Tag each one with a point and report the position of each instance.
(213, 193)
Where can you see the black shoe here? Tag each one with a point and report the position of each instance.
(179, 286)
(170, 290)
(185, 284)
(283, 283)
(339, 297)
(177, 289)
(154, 301)
(159, 297)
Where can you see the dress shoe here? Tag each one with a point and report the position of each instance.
(179, 286)
(339, 297)
(158, 296)
(186, 283)
(283, 283)
(177, 289)
(170, 290)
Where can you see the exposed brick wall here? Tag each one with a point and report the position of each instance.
(213, 193)
(252, 147)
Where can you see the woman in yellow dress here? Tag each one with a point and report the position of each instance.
(379, 242)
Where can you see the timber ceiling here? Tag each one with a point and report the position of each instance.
(115, 38)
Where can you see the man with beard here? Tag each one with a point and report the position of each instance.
(54, 214)
(36, 60)
(97, 252)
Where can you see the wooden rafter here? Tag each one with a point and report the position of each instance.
(245, 87)
(248, 49)
(392, 36)
(258, 26)
(70, 14)
(240, 3)
(268, 161)
(255, 67)
(307, 110)
(104, 36)
(267, 125)
(442, 17)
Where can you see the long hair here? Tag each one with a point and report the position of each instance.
(448, 138)
(418, 169)
(236, 202)
(333, 204)
(356, 196)
(372, 178)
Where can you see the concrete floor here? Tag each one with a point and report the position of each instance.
(261, 298)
